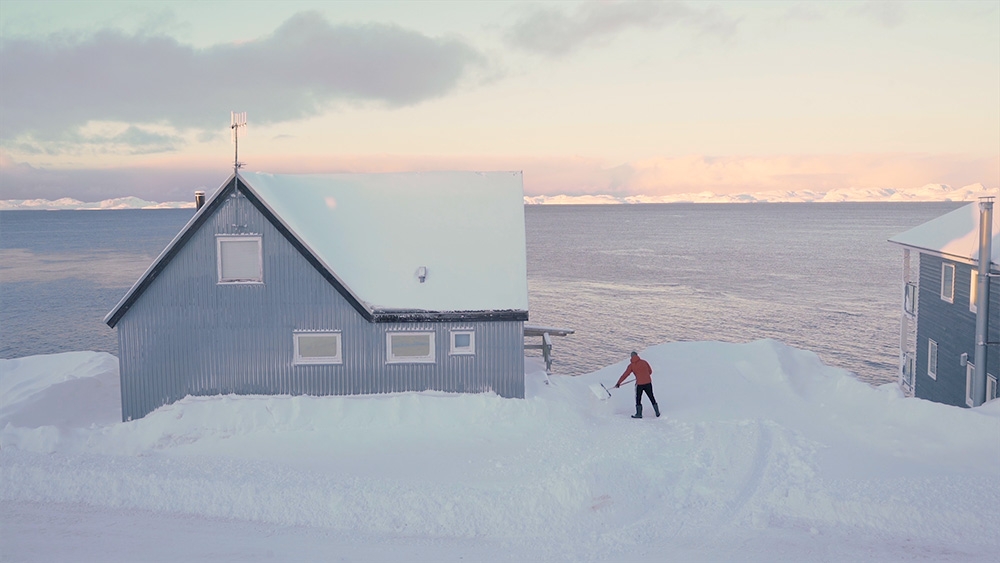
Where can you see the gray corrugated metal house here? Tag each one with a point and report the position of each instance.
(938, 336)
(332, 285)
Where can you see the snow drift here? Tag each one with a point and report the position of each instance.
(763, 453)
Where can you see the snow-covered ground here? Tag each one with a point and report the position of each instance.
(763, 454)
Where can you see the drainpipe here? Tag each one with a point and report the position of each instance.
(983, 298)
(199, 199)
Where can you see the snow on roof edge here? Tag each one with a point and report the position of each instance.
(954, 235)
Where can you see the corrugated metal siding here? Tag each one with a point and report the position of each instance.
(187, 334)
(953, 327)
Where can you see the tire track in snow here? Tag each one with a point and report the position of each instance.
(755, 477)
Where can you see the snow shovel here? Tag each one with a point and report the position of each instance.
(602, 392)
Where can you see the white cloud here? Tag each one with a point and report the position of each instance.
(557, 32)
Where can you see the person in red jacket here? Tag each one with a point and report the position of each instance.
(643, 382)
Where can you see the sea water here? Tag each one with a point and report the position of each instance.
(818, 276)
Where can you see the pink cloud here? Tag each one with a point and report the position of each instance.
(663, 176)
(686, 174)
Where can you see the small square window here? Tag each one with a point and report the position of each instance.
(409, 347)
(463, 342)
(932, 353)
(318, 348)
(948, 282)
(239, 259)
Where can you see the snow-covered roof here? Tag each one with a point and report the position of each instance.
(954, 235)
(374, 236)
(375, 231)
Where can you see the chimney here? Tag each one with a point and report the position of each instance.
(983, 298)
(199, 199)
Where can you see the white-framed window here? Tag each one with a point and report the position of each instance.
(910, 298)
(973, 290)
(932, 358)
(463, 342)
(909, 369)
(318, 347)
(409, 347)
(948, 282)
(239, 258)
(991, 387)
(970, 378)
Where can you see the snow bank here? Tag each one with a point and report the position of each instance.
(763, 453)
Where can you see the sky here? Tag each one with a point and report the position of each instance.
(110, 99)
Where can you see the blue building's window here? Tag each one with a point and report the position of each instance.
(410, 347)
(991, 387)
(973, 290)
(318, 348)
(909, 370)
(463, 342)
(239, 259)
(948, 282)
(932, 358)
(970, 377)
(910, 298)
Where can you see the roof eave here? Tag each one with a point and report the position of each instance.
(421, 316)
(994, 267)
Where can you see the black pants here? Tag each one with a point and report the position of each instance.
(648, 388)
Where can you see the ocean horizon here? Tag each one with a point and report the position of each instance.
(928, 193)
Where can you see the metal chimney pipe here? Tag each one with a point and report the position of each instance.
(983, 298)
(199, 199)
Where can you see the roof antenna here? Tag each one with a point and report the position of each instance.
(237, 121)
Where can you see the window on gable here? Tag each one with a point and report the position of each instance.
(409, 347)
(973, 290)
(239, 259)
(463, 342)
(932, 358)
(948, 282)
(318, 348)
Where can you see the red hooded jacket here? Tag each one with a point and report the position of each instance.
(640, 368)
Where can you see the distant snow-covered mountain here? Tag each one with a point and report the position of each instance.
(131, 202)
(929, 192)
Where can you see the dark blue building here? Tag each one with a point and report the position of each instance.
(938, 334)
